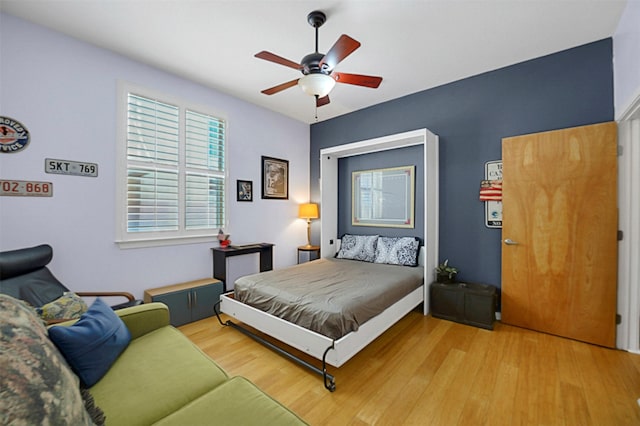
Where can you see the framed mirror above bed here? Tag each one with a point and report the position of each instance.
(383, 197)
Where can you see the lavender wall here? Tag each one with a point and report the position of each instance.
(64, 92)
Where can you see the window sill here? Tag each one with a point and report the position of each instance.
(160, 242)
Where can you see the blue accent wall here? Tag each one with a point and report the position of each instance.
(471, 116)
(409, 156)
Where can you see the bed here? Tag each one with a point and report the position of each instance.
(293, 306)
(336, 352)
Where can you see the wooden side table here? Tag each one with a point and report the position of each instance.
(309, 249)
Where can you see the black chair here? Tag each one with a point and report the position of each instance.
(24, 275)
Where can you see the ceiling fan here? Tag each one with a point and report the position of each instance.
(319, 76)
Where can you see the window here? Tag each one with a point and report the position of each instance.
(171, 174)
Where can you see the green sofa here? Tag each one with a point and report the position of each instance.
(161, 378)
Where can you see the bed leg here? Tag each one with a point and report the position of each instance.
(216, 310)
(329, 381)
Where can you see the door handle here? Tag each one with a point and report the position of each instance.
(510, 242)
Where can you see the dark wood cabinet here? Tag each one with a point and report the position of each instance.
(466, 303)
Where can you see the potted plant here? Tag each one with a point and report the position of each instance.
(446, 273)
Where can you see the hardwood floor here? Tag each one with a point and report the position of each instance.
(434, 372)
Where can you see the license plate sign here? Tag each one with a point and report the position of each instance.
(26, 188)
(67, 167)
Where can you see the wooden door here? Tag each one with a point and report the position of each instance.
(559, 235)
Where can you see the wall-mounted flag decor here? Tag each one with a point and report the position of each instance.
(491, 190)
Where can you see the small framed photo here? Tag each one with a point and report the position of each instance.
(245, 190)
(275, 178)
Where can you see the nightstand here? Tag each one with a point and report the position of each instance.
(309, 249)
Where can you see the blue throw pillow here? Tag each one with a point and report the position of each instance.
(92, 344)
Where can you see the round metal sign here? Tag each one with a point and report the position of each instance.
(14, 136)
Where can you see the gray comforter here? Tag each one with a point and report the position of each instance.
(329, 296)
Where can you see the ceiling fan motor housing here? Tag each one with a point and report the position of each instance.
(311, 64)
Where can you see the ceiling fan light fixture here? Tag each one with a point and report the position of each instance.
(317, 84)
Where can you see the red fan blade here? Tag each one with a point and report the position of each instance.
(340, 50)
(280, 87)
(357, 79)
(272, 57)
(322, 101)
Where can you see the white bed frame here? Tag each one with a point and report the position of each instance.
(316, 344)
(329, 351)
(337, 352)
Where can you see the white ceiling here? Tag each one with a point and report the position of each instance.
(413, 44)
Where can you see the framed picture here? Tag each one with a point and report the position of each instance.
(384, 197)
(275, 178)
(244, 190)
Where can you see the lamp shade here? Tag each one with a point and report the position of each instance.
(317, 84)
(308, 211)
